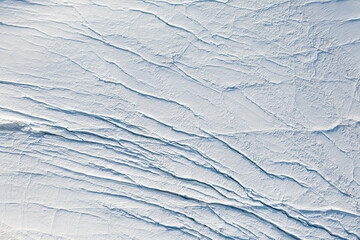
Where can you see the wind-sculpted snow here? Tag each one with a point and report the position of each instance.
(179, 119)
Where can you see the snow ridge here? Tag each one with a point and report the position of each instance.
(151, 119)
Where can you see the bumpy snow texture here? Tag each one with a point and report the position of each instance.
(179, 119)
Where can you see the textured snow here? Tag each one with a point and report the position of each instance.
(179, 119)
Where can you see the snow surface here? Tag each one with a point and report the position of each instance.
(179, 119)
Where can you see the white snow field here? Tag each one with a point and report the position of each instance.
(179, 119)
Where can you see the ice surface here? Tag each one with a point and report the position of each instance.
(179, 119)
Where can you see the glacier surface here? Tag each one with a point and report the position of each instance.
(179, 119)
